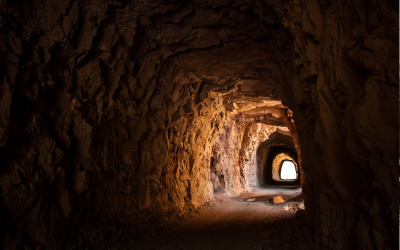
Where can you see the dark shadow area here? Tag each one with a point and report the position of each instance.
(225, 223)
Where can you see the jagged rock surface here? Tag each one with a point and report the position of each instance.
(107, 105)
(225, 172)
(234, 166)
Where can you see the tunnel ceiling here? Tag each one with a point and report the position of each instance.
(228, 47)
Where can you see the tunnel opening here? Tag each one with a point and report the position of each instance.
(275, 158)
(252, 156)
(287, 170)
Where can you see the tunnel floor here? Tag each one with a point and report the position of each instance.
(246, 222)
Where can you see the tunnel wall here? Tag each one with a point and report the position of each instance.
(94, 123)
(225, 172)
(103, 157)
(234, 167)
(254, 134)
(343, 75)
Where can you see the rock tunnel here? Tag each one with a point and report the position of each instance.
(121, 105)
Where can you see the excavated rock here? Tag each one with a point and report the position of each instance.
(238, 162)
(233, 167)
(346, 64)
(225, 172)
(111, 105)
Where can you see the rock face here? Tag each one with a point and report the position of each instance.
(225, 171)
(346, 64)
(109, 105)
(235, 166)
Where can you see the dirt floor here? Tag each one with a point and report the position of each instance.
(246, 222)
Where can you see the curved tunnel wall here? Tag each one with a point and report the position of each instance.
(274, 158)
(277, 139)
(234, 164)
(277, 165)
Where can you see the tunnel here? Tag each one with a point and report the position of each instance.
(131, 124)
(275, 160)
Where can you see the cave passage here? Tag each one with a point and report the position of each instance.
(168, 124)
(255, 162)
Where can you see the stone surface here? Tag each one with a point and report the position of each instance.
(235, 166)
(109, 105)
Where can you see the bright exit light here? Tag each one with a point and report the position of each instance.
(288, 171)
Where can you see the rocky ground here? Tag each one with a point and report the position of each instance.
(246, 222)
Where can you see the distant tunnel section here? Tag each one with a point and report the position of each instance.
(281, 166)
(278, 161)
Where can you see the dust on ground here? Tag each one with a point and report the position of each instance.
(250, 221)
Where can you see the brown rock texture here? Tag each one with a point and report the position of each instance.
(111, 105)
(254, 134)
(225, 171)
(234, 166)
(346, 64)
